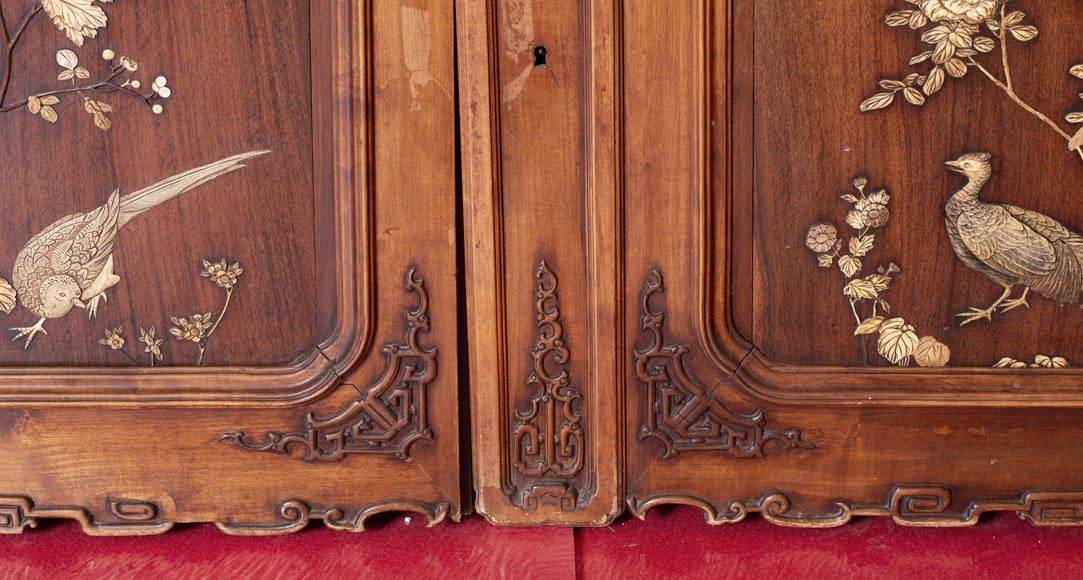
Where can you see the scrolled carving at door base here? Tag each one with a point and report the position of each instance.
(386, 419)
(548, 439)
(684, 416)
(134, 517)
(294, 515)
(907, 505)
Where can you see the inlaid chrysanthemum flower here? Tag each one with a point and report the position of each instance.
(821, 238)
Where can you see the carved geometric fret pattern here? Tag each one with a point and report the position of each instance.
(386, 419)
(684, 416)
(547, 438)
(907, 505)
(132, 517)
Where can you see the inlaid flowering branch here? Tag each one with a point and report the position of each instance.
(78, 20)
(196, 328)
(897, 341)
(955, 44)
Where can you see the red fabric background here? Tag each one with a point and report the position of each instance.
(671, 543)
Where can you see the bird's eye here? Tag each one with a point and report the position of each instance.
(63, 295)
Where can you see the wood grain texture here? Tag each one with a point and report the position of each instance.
(772, 124)
(540, 181)
(358, 94)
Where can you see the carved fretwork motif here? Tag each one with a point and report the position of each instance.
(684, 416)
(547, 438)
(294, 515)
(132, 517)
(388, 417)
(907, 505)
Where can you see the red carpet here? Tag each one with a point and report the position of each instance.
(672, 543)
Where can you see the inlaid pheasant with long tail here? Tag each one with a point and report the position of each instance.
(1011, 246)
(70, 263)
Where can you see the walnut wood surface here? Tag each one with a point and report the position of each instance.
(337, 231)
(743, 389)
(810, 141)
(241, 81)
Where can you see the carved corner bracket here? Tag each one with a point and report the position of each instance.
(131, 517)
(684, 416)
(547, 447)
(294, 515)
(907, 505)
(386, 419)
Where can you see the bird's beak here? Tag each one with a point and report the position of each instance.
(79, 303)
(954, 166)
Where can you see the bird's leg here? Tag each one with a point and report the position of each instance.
(29, 332)
(1012, 304)
(96, 292)
(978, 313)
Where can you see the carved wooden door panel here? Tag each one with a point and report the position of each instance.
(743, 255)
(249, 314)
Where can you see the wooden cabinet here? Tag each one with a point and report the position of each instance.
(738, 237)
(588, 257)
(281, 345)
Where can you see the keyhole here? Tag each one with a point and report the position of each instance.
(541, 57)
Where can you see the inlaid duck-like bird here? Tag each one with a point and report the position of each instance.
(69, 264)
(1010, 245)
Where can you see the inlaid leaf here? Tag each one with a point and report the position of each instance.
(914, 96)
(98, 110)
(1074, 117)
(861, 245)
(860, 290)
(869, 326)
(49, 114)
(921, 57)
(955, 68)
(943, 52)
(899, 18)
(1076, 71)
(931, 353)
(1014, 18)
(877, 101)
(1009, 363)
(984, 44)
(67, 59)
(935, 81)
(826, 260)
(849, 266)
(897, 341)
(1077, 141)
(1024, 33)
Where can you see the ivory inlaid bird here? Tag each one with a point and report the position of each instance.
(1011, 246)
(69, 264)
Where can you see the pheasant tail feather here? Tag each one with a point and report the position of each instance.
(134, 204)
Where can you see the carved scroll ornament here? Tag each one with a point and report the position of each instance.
(684, 416)
(386, 419)
(547, 438)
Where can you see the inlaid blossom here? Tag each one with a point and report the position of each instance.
(221, 274)
(821, 238)
(154, 344)
(970, 11)
(113, 338)
(193, 329)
